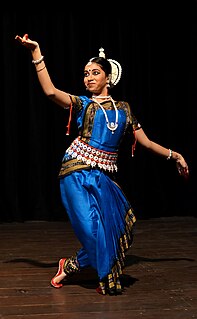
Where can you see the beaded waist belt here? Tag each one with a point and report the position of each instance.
(92, 156)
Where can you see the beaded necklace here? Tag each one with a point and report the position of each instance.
(111, 126)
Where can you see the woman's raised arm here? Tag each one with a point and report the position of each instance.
(59, 97)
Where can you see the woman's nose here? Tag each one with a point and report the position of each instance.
(90, 77)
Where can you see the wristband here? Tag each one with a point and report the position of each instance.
(170, 154)
(39, 60)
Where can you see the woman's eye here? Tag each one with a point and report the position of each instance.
(95, 72)
(86, 74)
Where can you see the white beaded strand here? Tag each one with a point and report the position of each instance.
(39, 60)
(101, 96)
(111, 126)
(170, 154)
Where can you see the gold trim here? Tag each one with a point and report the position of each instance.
(71, 166)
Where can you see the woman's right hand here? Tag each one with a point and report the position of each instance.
(27, 42)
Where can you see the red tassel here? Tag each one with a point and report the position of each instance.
(134, 144)
(69, 120)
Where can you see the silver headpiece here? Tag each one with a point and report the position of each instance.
(115, 67)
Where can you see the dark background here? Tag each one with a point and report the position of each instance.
(156, 44)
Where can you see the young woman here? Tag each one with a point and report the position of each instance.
(99, 212)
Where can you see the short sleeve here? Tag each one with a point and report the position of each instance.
(136, 125)
(132, 118)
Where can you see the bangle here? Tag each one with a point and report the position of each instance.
(170, 154)
(39, 60)
(41, 69)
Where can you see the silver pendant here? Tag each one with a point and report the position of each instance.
(112, 126)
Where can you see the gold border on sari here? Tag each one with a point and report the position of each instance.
(71, 166)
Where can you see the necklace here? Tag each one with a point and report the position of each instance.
(111, 126)
(101, 96)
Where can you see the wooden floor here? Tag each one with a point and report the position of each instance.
(160, 278)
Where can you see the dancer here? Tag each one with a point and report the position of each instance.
(100, 214)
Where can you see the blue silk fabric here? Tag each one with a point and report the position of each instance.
(99, 211)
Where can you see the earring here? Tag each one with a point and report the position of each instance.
(109, 81)
(108, 85)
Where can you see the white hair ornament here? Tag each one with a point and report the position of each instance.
(115, 67)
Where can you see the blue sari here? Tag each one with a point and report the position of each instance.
(99, 212)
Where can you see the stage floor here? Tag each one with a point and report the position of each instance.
(160, 278)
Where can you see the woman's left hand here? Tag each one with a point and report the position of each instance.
(182, 166)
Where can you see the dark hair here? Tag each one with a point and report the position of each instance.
(104, 64)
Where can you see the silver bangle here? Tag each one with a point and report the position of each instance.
(39, 60)
(170, 154)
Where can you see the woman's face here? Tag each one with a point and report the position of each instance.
(95, 78)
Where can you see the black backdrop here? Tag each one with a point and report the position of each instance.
(156, 46)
